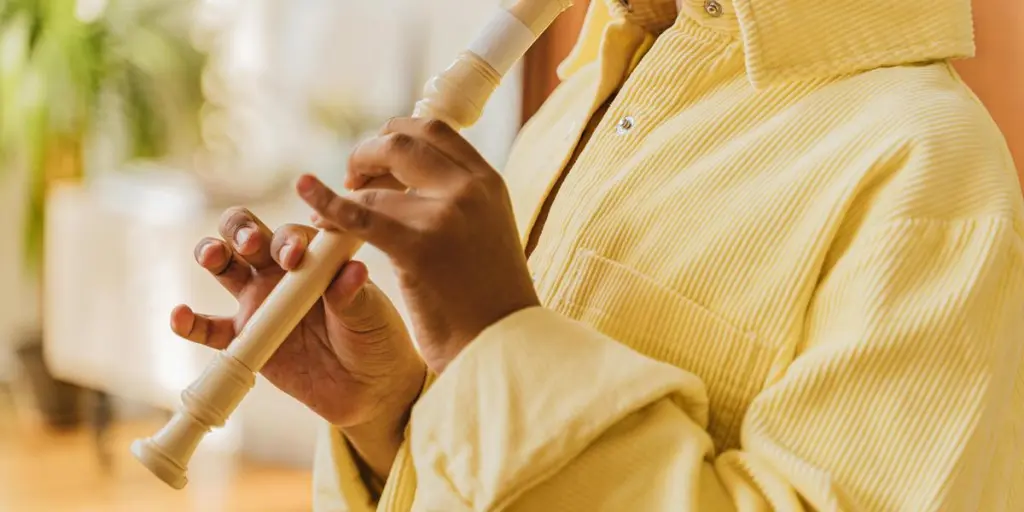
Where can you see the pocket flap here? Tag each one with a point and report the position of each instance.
(665, 325)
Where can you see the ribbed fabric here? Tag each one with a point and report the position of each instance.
(785, 271)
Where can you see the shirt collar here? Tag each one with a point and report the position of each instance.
(790, 40)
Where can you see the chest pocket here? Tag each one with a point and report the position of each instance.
(665, 325)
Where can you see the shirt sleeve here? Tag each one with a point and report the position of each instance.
(900, 398)
(338, 485)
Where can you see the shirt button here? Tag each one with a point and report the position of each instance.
(713, 8)
(625, 125)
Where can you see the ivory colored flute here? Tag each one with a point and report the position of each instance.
(456, 96)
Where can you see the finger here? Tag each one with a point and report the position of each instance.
(320, 223)
(438, 134)
(289, 244)
(412, 161)
(383, 218)
(249, 237)
(220, 260)
(355, 301)
(380, 179)
(214, 332)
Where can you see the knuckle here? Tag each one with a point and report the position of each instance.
(357, 217)
(448, 216)
(355, 156)
(434, 226)
(390, 125)
(471, 188)
(482, 189)
(289, 233)
(332, 207)
(398, 142)
(492, 180)
(207, 336)
(325, 200)
(293, 232)
(436, 128)
(369, 198)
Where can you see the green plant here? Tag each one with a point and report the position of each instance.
(57, 66)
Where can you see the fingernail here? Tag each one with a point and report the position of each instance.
(284, 254)
(206, 252)
(242, 236)
(178, 324)
(306, 185)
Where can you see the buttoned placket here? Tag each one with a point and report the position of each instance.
(623, 127)
(712, 8)
(611, 80)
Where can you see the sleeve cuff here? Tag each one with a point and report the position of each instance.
(338, 484)
(527, 396)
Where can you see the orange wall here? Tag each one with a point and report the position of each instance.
(997, 73)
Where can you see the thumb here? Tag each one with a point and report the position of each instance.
(355, 301)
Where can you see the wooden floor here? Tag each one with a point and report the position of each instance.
(50, 472)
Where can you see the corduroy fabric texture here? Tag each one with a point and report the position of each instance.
(785, 272)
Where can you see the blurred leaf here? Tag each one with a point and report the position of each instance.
(55, 67)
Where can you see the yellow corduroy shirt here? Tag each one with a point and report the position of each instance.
(785, 272)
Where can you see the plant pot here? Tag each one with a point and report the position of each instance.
(59, 404)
